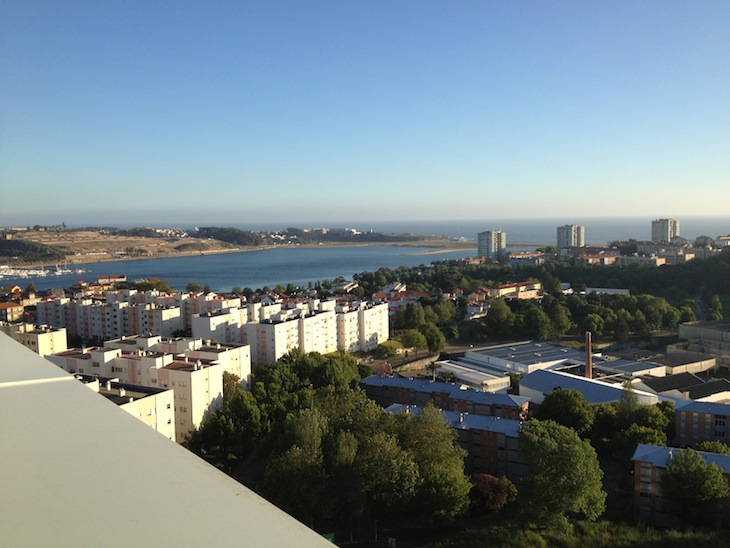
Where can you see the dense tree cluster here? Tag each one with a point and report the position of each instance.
(20, 251)
(693, 489)
(331, 455)
(659, 298)
(564, 476)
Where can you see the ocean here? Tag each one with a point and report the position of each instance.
(521, 232)
(301, 266)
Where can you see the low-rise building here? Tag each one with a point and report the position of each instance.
(490, 442)
(698, 421)
(650, 461)
(387, 390)
(539, 384)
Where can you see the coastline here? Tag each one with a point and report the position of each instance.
(78, 261)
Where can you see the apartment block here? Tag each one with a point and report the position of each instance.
(41, 339)
(650, 461)
(11, 312)
(492, 244)
(699, 421)
(195, 375)
(570, 236)
(663, 230)
(490, 442)
(153, 406)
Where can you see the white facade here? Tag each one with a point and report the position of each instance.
(195, 374)
(42, 340)
(492, 244)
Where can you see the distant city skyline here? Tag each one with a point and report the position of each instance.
(151, 113)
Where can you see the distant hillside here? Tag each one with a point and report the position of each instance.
(21, 252)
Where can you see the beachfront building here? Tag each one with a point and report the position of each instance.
(664, 230)
(492, 244)
(570, 236)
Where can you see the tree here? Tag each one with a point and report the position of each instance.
(500, 317)
(413, 316)
(692, 488)
(414, 339)
(564, 473)
(442, 490)
(624, 442)
(435, 339)
(713, 446)
(490, 494)
(560, 318)
(537, 324)
(193, 287)
(715, 308)
(567, 407)
(593, 323)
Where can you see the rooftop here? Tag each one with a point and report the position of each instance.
(659, 456)
(135, 486)
(704, 407)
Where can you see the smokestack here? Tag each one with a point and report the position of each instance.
(589, 356)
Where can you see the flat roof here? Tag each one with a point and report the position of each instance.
(135, 486)
(467, 421)
(719, 325)
(680, 381)
(674, 359)
(530, 352)
(594, 391)
(454, 391)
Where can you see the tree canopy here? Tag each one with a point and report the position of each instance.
(692, 489)
(564, 476)
(567, 407)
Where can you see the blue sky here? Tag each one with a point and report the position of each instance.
(233, 112)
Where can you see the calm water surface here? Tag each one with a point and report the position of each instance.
(254, 269)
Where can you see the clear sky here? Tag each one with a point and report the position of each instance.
(155, 112)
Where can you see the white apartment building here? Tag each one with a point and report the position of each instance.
(571, 236)
(311, 326)
(153, 406)
(42, 340)
(223, 325)
(271, 328)
(491, 244)
(197, 384)
(663, 230)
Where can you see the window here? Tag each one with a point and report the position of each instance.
(719, 420)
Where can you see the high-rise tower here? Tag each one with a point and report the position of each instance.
(663, 230)
(492, 244)
(571, 236)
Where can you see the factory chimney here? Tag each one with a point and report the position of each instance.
(589, 356)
